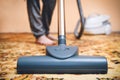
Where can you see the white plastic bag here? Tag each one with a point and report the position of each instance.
(98, 24)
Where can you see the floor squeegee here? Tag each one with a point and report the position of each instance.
(62, 59)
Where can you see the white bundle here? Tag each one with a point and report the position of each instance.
(97, 24)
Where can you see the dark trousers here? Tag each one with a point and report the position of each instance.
(40, 22)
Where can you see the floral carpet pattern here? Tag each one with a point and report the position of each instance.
(13, 46)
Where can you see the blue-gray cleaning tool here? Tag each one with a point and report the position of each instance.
(62, 59)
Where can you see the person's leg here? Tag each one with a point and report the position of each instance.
(36, 23)
(35, 18)
(48, 8)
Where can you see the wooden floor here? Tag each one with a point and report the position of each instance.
(13, 46)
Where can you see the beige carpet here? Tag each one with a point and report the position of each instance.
(13, 46)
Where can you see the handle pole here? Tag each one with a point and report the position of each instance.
(61, 22)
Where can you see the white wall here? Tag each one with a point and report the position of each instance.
(13, 14)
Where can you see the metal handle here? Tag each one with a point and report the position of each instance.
(61, 22)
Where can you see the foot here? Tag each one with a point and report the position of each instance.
(52, 37)
(45, 41)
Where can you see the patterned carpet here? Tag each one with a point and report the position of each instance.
(13, 46)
